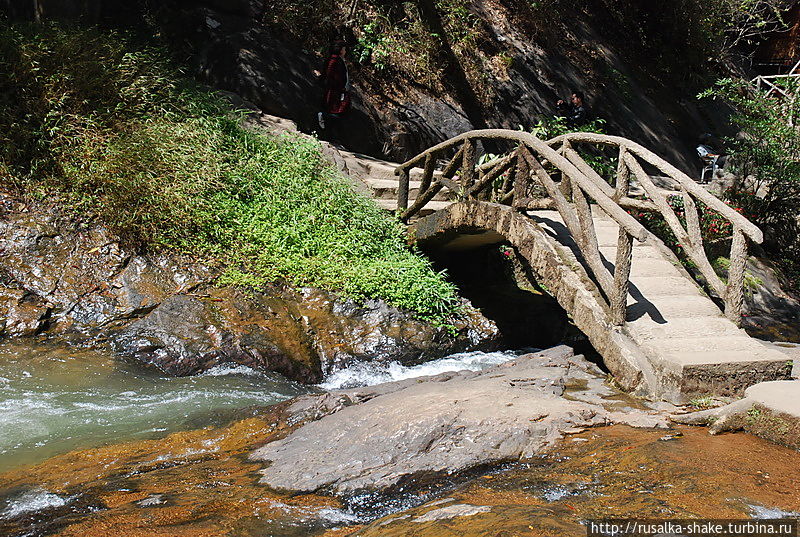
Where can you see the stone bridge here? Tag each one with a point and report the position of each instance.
(575, 209)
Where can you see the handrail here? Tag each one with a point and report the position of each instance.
(622, 218)
(696, 190)
(689, 237)
(534, 163)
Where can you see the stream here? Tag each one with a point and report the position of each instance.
(54, 399)
(168, 456)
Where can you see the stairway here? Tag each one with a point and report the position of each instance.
(379, 182)
(682, 331)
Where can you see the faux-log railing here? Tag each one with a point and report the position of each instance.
(534, 174)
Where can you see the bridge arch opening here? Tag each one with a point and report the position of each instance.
(489, 271)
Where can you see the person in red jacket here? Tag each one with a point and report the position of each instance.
(336, 100)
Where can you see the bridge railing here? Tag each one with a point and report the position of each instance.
(535, 174)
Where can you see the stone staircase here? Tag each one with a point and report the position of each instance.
(682, 331)
(379, 181)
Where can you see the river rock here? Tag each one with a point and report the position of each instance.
(376, 438)
(64, 277)
(21, 313)
(771, 313)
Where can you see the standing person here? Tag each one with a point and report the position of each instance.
(336, 100)
(575, 111)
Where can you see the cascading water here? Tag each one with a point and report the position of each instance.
(56, 399)
(370, 373)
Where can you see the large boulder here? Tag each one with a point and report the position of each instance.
(379, 438)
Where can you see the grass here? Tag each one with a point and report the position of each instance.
(111, 129)
(704, 402)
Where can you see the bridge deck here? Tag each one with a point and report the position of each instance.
(676, 324)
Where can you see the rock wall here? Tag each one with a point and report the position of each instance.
(62, 277)
(637, 64)
(523, 69)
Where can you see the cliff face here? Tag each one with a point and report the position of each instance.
(425, 71)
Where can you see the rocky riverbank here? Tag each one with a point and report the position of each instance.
(63, 277)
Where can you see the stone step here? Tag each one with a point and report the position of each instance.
(650, 266)
(655, 286)
(640, 251)
(610, 241)
(672, 307)
(645, 329)
(741, 343)
(722, 359)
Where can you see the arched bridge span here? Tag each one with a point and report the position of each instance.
(575, 208)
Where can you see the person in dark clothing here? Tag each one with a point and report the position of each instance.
(575, 111)
(336, 81)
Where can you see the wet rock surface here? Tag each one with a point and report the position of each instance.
(66, 278)
(199, 483)
(770, 410)
(380, 437)
(614, 472)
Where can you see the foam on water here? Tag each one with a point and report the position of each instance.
(769, 513)
(231, 369)
(31, 501)
(371, 373)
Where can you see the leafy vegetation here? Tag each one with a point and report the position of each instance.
(765, 157)
(108, 126)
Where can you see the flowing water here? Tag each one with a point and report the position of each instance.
(168, 456)
(55, 399)
(371, 373)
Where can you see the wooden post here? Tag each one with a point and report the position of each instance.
(427, 174)
(587, 242)
(402, 191)
(468, 164)
(565, 184)
(623, 176)
(622, 278)
(522, 177)
(734, 294)
(692, 220)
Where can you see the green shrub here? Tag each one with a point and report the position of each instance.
(110, 128)
(766, 159)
